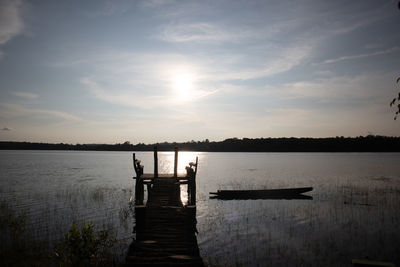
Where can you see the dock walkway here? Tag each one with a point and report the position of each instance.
(165, 228)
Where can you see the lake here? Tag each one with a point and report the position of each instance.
(354, 213)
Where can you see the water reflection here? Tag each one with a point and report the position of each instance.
(166, 161)
(184, 194)
(166, 165)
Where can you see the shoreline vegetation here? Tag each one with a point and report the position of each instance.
(80, 246)
(370, 143)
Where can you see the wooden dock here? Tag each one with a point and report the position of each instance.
(165, 228)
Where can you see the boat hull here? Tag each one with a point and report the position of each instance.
(286, 193)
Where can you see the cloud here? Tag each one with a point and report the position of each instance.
(10, 19)
(15, 110)
(377, 53)
(200, 32)
(216, 32)
(123, 97)
(279, 60)
(132, 98)
(146, 81)
(157, 3)
(6, 129)
(26, 95)
(108, 8)
(11, 22)
(348, 92)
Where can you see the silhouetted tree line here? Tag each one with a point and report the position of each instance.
(370, 143)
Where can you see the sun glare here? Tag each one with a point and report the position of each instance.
(183, 84)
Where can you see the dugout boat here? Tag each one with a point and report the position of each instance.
(285, 193)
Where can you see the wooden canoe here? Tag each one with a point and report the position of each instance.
(286, 193)
(370, 263)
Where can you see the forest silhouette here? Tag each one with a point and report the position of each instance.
(370, 143)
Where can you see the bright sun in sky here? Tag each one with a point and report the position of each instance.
(183, 84)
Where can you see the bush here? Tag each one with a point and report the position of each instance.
(85, 246)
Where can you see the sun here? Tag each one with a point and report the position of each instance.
(183, 83)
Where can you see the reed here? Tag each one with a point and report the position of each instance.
(353, 222)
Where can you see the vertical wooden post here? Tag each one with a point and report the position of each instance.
(139, 190)
(176, 163)
(134, 164)
(195, 170)
(193, 185)
(148, 191)
(189, 190)
(155, 163)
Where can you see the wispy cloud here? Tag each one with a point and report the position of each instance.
(15, 110)
(215, 32)
(201, 32)
(157, 3)
(11, 20)
(132, 98)
(279, 61)
(376, 53)
(147, 81)
(344, 90)
(339, 19)
(26, 95)
(108, 8)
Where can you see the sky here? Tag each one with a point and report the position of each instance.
(164, 70)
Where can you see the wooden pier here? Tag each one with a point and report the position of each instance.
(165, 228)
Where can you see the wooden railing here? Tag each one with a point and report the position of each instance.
(148, 179)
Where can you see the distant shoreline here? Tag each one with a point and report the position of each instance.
(370, 143)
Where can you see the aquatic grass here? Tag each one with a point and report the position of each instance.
(355, 224)
(109, 208)
(35, 244)
(16, 247)
(80, 247)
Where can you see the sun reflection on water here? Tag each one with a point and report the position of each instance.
(166, 165)
(184, 195)
(166, 161)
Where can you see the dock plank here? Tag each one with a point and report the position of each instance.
(165, 228)
(163, 175)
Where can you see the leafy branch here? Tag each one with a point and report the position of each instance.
(393, 102)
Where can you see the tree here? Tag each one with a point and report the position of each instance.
(393, 102)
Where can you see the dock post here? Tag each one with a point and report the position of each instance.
(139, 187)
(193, 185)
(155, 163)
(139, 191)
(193, 197)
(176, 163)
(134, 163)
(189, 192)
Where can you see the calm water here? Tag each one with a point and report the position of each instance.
(355, 211)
